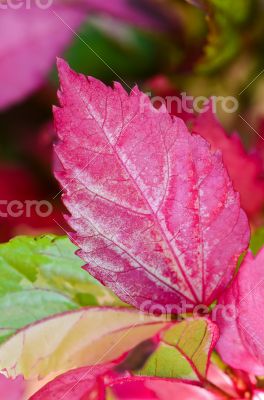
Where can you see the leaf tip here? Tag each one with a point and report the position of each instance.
(64, 71)
(62, 65)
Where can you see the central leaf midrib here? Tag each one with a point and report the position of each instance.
(148, 204)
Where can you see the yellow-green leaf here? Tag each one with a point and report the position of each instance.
(184, 351)
(74, 339)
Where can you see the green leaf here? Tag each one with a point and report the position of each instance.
(256, 243)
(21, 308)
(49, 262)
(184, 351)
(236, 10)
(129, 51)
(42, 276)
(225, 20)
(5, 333)
(257, 240)
(223, 44)
(168, 362)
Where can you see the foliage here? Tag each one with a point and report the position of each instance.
(154, 292)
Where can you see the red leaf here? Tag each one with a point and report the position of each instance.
(76, 384)
(18, 187)
(154, 211)
(168, 94)
(93, 382)
(244, 169)
(241, 329)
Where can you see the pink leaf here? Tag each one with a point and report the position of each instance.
(94, 382)
(32, 37)
(258, 395)
(178, 390)
(30, 41)
(78, 384)
(241, 328)
(154, 210)
(245, 169)
(218, 377)
(11, 389)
